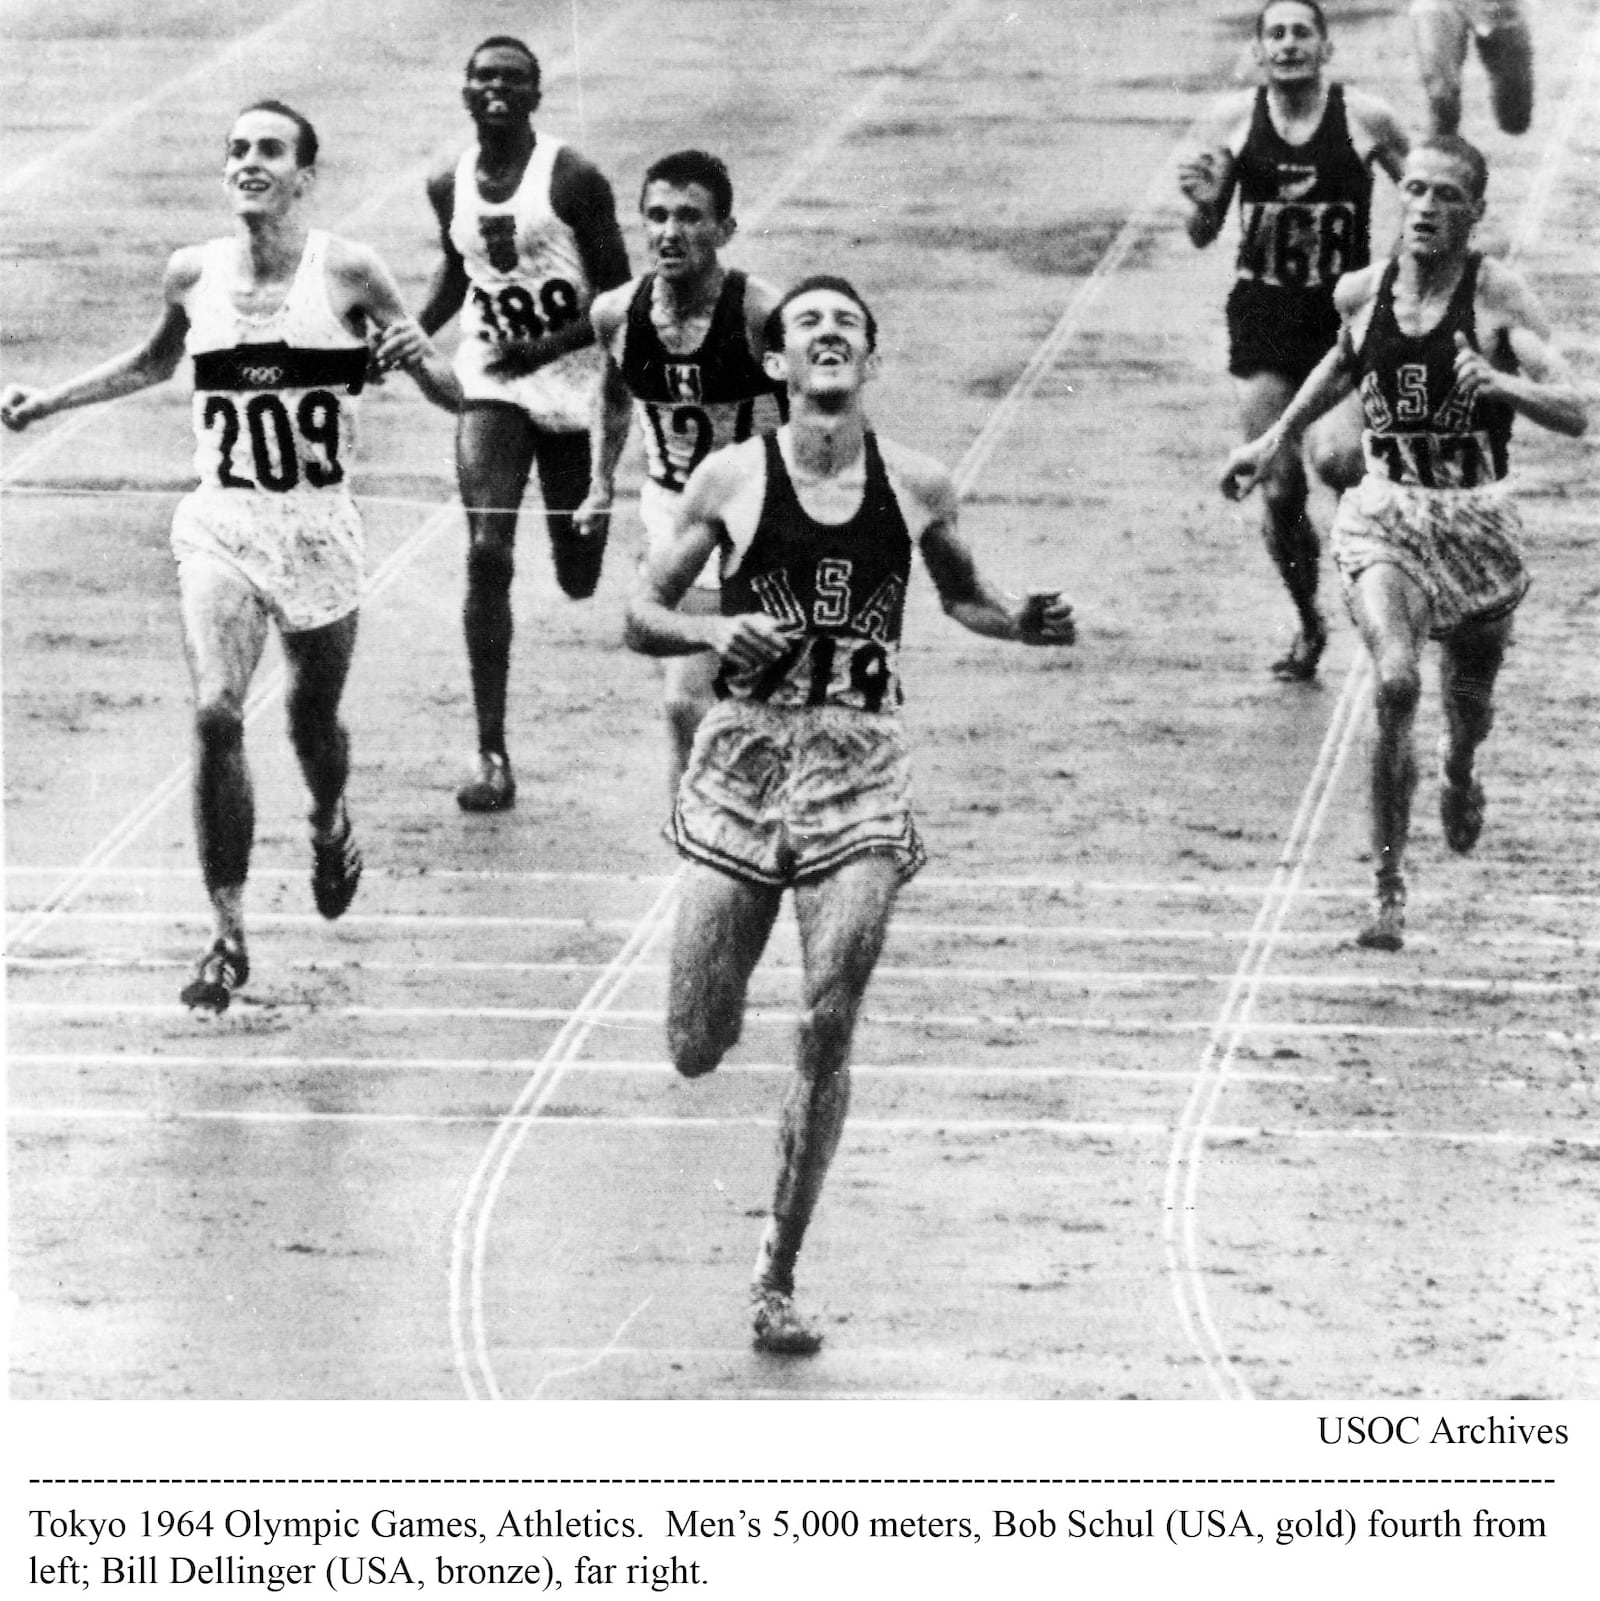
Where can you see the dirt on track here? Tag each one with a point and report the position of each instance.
(1120, 1065)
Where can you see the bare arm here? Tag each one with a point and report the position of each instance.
(447, 288)
(398, 342)
(1543, 388)
(1041, 617)
(611, 415)
(1380, 132)
(653, 627)
(1206, 175)
(152, 361)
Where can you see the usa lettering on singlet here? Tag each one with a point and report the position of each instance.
(697, 401)
(274, 396)
(1421, 426)
(1304, 209)
(525, 276)
(843, 586)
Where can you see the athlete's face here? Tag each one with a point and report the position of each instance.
(826, 353)
(1290, 47)
(682, 231)
(1437, 206)
(500, 90)
(261, 168)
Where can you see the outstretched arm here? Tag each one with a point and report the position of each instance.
(152, 361)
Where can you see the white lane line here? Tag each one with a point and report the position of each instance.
(1181, 1195)
(908, 927)
(1053, 889)
(1188, 1151)
(954, 1129)
(888, 973)
(598, 1015)
(470, 1234)
(610, 1348)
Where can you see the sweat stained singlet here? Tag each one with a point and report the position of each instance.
(1304, 218)
(1420, 427)
(842, 585)
(693, 402)
(274, 396)
(525, 279)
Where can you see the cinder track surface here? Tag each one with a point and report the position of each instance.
(1133, 1116)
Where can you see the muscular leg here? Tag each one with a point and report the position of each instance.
(563, 461)
(1391, 613)
(1507, 57)
(319, 663)
(1439, 43)
(722, 928)
(1469, 663)
(494, 452)
(843, 919)
(687, 692)
(225, 630)
(1286, 527)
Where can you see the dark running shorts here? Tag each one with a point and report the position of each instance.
(1278, 330)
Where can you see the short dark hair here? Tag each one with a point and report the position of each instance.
(1459, 149)
(684, 167)
(819, 280)
(505, 41)
(1311, 5)
(305, 139)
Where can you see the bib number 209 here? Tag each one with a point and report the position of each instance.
(279, 447)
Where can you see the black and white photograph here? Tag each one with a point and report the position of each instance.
(787, 700)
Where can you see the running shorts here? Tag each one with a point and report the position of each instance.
(1461, 547)
(1272, 329)
(558, 397)
(658, 509)
(1484, 18)
(777, 795)
(303, 553)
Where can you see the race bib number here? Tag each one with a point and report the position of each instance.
(265, 442)
(1296, 246)
(522, 313)
(826, 670)
(681, 437)
(1432, 461)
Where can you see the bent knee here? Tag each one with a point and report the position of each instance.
(1398, 690)
(490, 564)
(697, 1050)
(219, 724)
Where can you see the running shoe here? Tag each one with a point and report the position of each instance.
(1461, 808)
(335, 872)
(491, 788)
(776, 1326)
(1386, 930)
(1300, 665)
(223, 969)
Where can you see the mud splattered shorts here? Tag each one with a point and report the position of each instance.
(303, 553)
(777, 795)
(558, 397)
(1461, 547)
